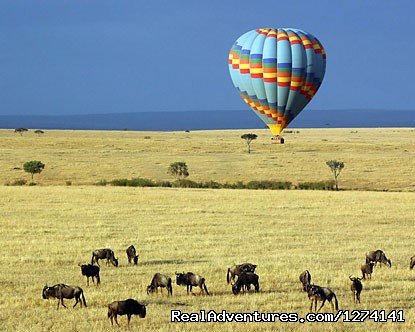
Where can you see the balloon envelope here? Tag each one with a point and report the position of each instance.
(277, 72)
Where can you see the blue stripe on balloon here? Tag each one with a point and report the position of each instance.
(256, 56)
(270, 60)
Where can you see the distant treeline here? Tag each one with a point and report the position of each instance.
(185, 183)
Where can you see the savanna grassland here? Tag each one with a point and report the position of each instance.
(375, 159)
(49, 228)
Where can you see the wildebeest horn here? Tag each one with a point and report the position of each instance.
(350, 277)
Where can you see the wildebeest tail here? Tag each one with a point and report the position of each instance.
(98, 279)
(336, 303)
(227, 276)
(83, 298)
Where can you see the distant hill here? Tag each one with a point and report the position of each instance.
(199, 120)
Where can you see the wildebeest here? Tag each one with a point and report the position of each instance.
(128, 307)
(378, 256)
(412, 263)
(305, 278)
(107, 254)
(246, 279)
(356, 288)
(367, 269)
(89, 270)
(317, 293)
(236, 270)
(62, 291)
(162, 281)
(132, 255)
(189, 280)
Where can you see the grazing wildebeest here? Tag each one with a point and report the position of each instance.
(89, 270)
(107, 254)
(367, 269)
(356, 288)
(128, 307)
(160, 280)
(378, 256)
(62, 291)
(412, 263)
(246, 279)
(189, 280)
(236, 270)
(132, 255)
(305, 278)
(317, 293)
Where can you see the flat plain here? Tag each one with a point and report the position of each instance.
(48, 229)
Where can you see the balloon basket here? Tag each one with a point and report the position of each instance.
(277, 139)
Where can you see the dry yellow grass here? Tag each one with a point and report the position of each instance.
(46, 231)
(375, 159)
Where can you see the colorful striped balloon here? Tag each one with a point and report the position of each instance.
(277, 72)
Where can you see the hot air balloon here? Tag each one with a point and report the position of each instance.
(277, 72)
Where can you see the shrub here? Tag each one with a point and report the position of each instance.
(32, 184)
(19, 182)
(119, 182)
(140, 182)
(165, 184)
(265, 184)
(184, 183)
(320, 185)
(236, 185)
(211, 184)
(68, 183)
(101, 183)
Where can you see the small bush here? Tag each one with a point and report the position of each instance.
(321, 185)
(119, 182)
(19, 182)
(236, 185)
(147, 137)
(211, 185)
(184, 183)
(68, 183)
(32, 184)
(101, 183)
(140, 182)
(165, 184)
(275, 185)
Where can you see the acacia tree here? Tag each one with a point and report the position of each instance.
(179, 170)
(249, 138)
(335, 167)
(33, 167)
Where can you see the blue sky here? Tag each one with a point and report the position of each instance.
(84, 57)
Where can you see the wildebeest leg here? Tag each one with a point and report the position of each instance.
(112, 323)
(115, 318)
(128, 319)
(63, 303)
(324, 301)
(76, 301)
(311, 306)
(87, 281)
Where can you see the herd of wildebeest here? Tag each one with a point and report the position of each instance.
(243, 273)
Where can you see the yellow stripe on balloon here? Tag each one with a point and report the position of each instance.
(271, 75)
(284, 79)
(256, 71)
